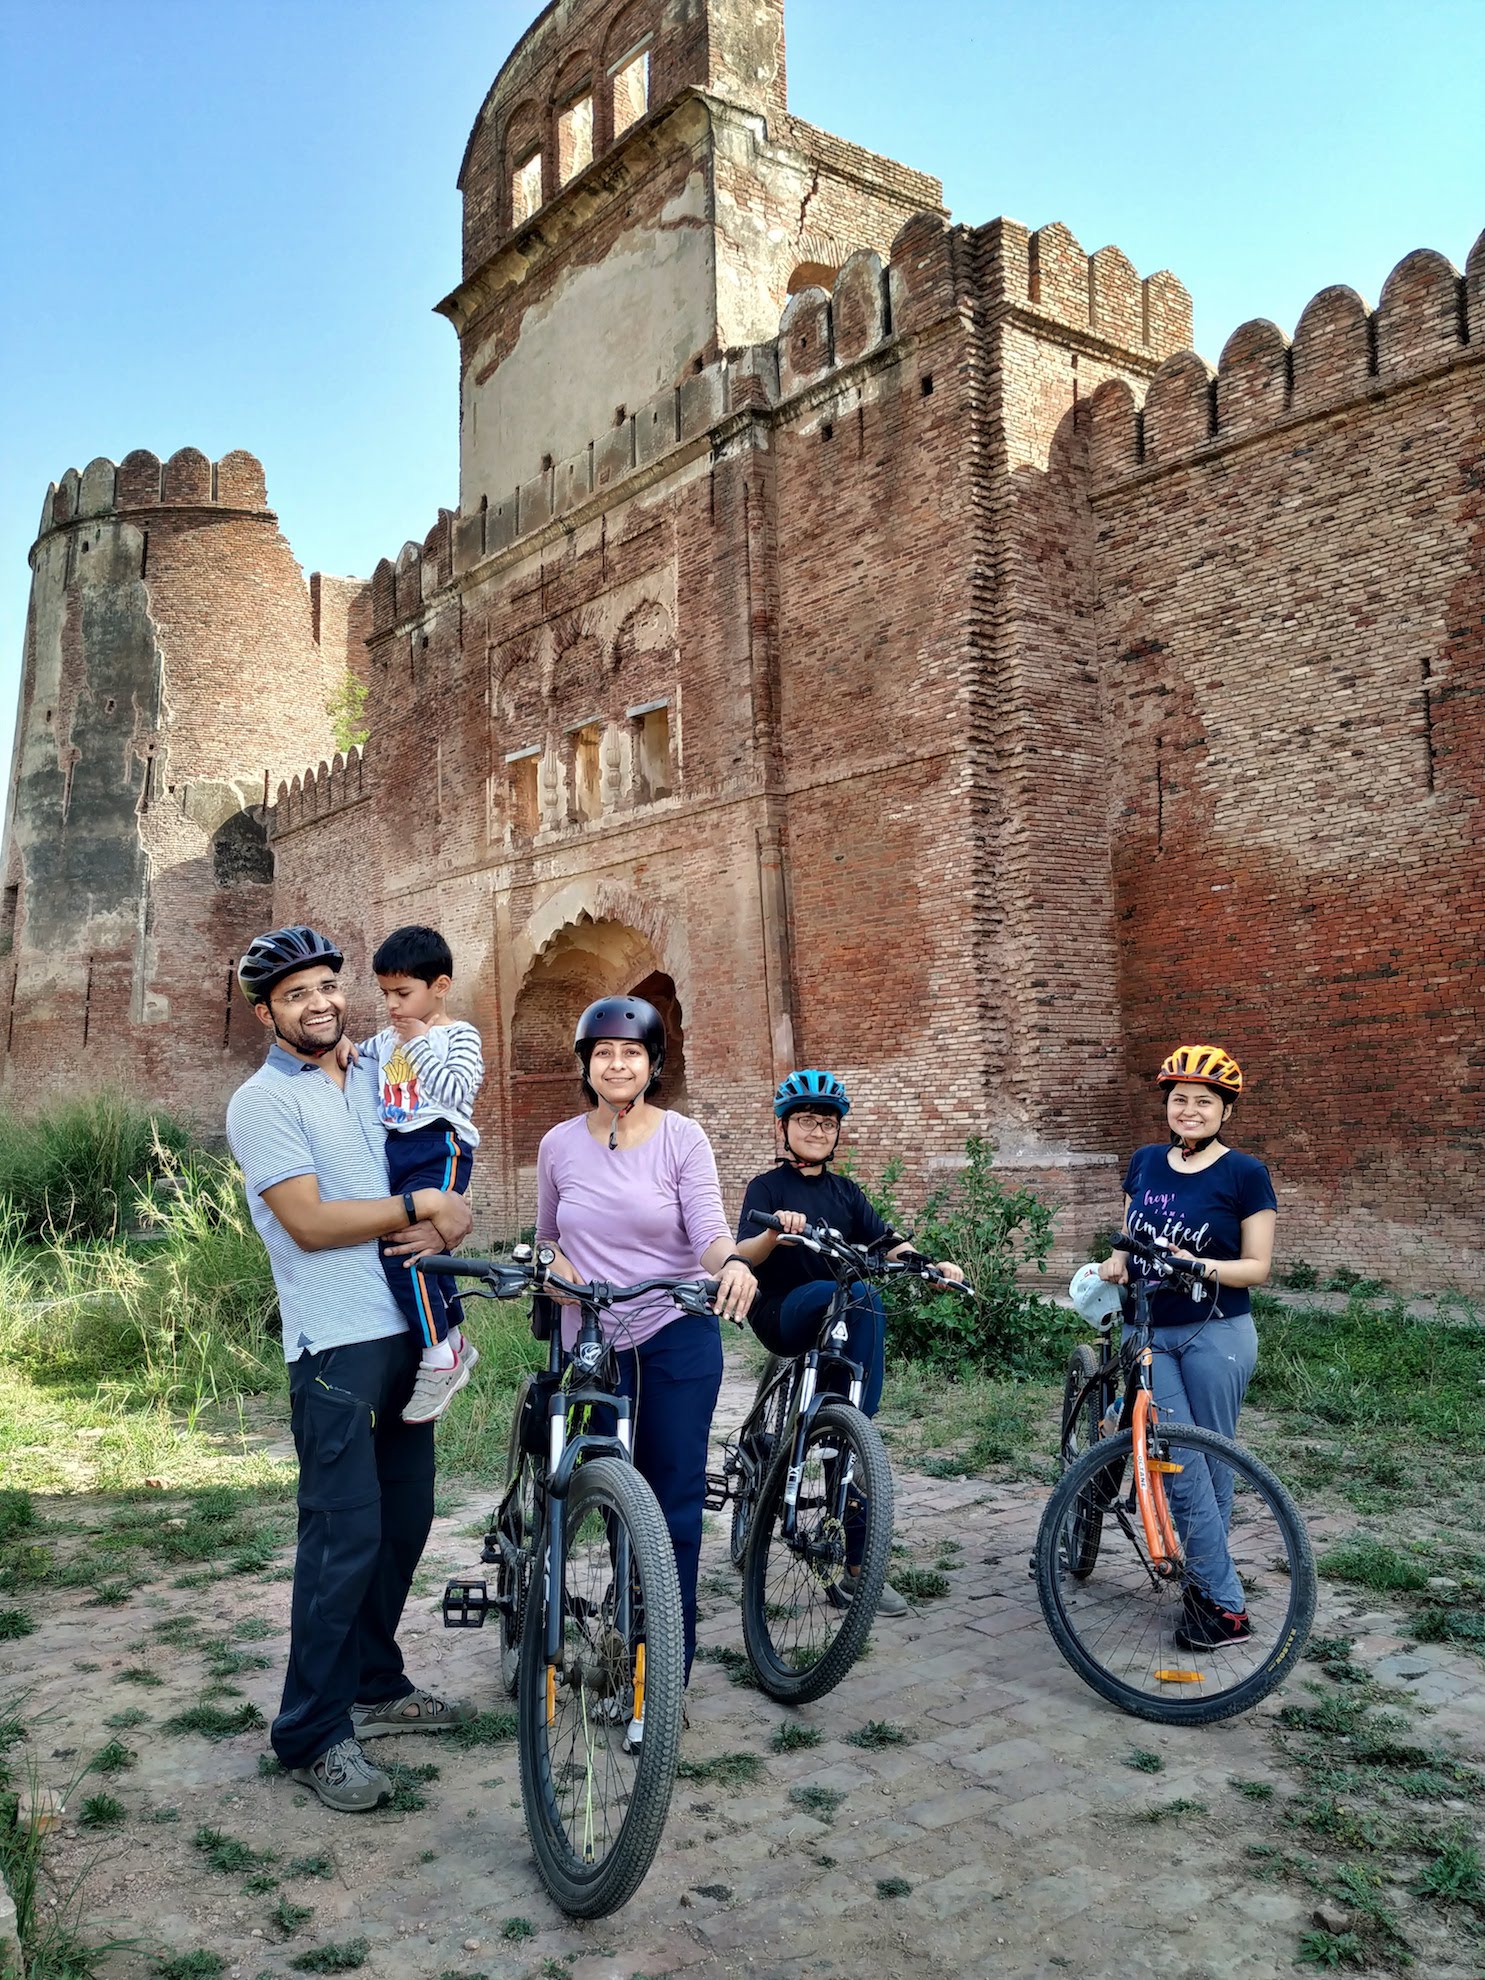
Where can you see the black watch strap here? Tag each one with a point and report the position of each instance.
(409, 1206)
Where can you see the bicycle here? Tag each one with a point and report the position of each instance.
(1113, 1511)
(586, 1591)
(809, 1482)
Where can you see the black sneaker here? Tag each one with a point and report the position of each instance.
(1203, 1626)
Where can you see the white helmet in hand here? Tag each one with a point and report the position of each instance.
(1095, 1299)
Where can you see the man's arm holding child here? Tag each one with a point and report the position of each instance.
(443, 1218)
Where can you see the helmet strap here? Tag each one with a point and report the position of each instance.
(613, 1132)
(1191, 1149)
(815, 1162)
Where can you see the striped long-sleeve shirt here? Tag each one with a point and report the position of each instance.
(429, 1079)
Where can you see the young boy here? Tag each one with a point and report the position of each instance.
(429, 1067)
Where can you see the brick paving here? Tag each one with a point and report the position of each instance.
(1008, 1813)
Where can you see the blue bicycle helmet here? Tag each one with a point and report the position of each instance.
(810, 1089)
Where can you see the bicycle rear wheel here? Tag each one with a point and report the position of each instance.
(1078, 1436)
(805, 1617)
(1117, 1627)
(595, 1801)
(757, 1442)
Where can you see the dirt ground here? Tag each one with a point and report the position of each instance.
(1008, 1811)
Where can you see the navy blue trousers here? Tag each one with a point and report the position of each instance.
(365, 1507)
(424, 1158)
(674, 1379)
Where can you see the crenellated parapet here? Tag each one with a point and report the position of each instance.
(318, 794)
(142, 481)
(929, 275)
(1430, 318)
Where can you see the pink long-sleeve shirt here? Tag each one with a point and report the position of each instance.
(625, 1214)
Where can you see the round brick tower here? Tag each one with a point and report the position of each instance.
(174, 672)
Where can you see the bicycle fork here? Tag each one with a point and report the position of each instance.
(1164, 1562)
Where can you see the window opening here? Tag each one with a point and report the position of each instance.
(8, 917)
(587, 793)
(525, 189)
(652, 750)
(522, 779)
(631, 89)
(575, 137)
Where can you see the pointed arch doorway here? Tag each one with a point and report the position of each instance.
(584, 960)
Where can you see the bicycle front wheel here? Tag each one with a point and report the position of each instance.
(757, 1442)
(1127, 1629)
(806, 1616)
(600, 1728)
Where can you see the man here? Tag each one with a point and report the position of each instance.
(312, 1149)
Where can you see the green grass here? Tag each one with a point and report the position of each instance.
(879, 1733)
(730, 1660)
(821, 1802)
(517, 1929)
(408, 1783)
(893, 1887)
(229, 1853)
(101, 1811)
(199, 1965)
(725, 1770)
(791, 1737)
(331, 1958)
(213, 1723)
(484, 1729)
(115, 1758)
(1144, 1762)
(290, 1917)
(311, 1866)
(80, 1169)
(1172, 1811)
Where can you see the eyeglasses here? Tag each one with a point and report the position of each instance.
(809, 1120)
(329, 988)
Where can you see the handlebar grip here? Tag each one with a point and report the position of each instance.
(765, 1218)
(440, 1266)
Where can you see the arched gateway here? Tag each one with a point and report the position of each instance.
(584, 960)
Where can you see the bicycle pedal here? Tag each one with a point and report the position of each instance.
(718, 1491)
(466, 1604)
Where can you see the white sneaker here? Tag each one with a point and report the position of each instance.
(469, 1354)
(433, 1391)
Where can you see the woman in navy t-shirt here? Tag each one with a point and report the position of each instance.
(1215, 1207)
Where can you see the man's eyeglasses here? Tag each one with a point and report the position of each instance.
(293, 998)
(806, 1119)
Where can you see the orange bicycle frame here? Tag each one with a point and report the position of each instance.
(1149, 1486)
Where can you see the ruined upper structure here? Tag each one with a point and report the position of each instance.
(882, 643)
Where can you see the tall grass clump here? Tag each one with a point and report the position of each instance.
(76, 1171)
(995, 1233)
(183, 1322)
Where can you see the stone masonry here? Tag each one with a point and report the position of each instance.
(881, 642)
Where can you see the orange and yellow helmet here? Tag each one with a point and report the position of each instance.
(1206, 1065)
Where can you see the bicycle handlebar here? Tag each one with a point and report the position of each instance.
(1161, 1264)
(510, 1280)
(829, 1243)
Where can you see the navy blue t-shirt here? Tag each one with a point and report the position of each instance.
(1202, 1214)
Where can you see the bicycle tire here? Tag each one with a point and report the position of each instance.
(1116, 1628)
(1079, 1436)
(766, 1436)
(801, 1636)
(520, 1529)
(593, 1858)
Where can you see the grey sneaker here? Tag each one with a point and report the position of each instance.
(889, 1602)
(434, 1390)
(416, 1711)
(345, 1779)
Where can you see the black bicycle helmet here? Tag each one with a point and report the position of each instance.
(269, 958)
(621, 1017)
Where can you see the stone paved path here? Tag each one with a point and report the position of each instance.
(1008, 1813)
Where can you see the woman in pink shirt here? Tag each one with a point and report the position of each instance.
(628, 1191)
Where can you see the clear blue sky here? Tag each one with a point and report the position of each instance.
(224, 222)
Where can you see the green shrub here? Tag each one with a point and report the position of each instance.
(1300, 1276)
(993, 1233)
(78, 1170)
